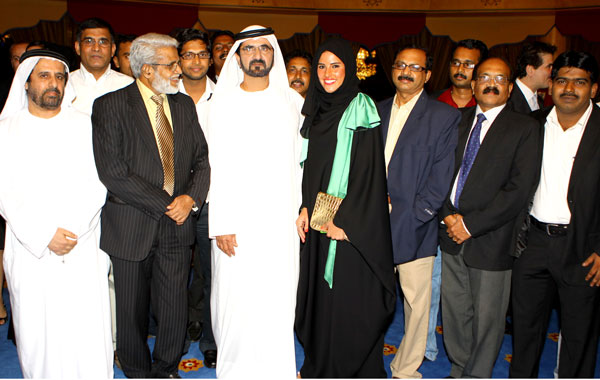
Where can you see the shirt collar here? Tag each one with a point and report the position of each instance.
(552, 118)
(525, 90)
(411, 103)
(89, 76)
(146, 92)
(491, 114)
(210, 87)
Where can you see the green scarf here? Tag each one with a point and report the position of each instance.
(361, 112)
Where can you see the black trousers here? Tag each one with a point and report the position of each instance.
(537, 281)
(200, 287)
(159, 280)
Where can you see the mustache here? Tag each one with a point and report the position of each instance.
(299, 81)
(55, 89)
(459, 75)
(405, 77)
(493, 89)
(569, 94)
(223, 56)
(255, 61)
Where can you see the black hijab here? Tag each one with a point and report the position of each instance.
(330, 107)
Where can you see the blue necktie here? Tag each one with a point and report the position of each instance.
(469, 157)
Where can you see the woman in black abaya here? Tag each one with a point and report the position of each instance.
(342, 326)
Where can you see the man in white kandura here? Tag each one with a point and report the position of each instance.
(51, 198)
(254, 153)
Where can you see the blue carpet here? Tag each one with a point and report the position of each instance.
(192, 365)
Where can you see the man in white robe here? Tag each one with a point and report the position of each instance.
(51, 198)
(254, 153)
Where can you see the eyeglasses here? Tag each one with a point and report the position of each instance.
(89, 41)
(191, 55)
(172, 66)
(414, 67)
(251, 49)
(464, 64)
(498, 79)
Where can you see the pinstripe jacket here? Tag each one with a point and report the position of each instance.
(129, 165)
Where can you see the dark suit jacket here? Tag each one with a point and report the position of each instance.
(518, 103)
(496, 191)
(129, 165)
(582, 197)
(419, 174)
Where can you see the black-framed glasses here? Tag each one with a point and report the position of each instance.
(251, 49)
(464, 64)
(412, 67)
(191, 55)
(172, 66)
(498, 79)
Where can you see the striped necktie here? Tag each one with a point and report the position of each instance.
(165, 145)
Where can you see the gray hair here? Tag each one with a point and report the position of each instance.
(143, 50)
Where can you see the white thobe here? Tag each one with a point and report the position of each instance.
(255, 194)
(88, 89)
(59, 303)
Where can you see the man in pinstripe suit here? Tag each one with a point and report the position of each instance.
(152, 157)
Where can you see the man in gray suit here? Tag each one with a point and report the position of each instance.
(152, 157)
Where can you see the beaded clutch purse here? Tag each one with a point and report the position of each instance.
(325, 208)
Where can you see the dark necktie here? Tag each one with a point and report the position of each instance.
(165, 145)
(469, 157)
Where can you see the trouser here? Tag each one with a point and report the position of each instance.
(160, 280)
(199, 291)
(537, 280)
(431, 350)
(474, 303)
(415, 281)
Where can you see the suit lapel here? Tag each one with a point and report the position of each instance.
(587, 147)
(464, 128)
(412, 122)
(142, 121)
(177, 116)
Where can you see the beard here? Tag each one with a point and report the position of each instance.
(45, 100)
(257, 71)
(163, 85)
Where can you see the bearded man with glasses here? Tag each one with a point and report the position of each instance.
(152, 157)
(494, 173)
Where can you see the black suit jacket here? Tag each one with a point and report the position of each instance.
(129, 165)
(518, 103)
(582, 198)
(496, 191)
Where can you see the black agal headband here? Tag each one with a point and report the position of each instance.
(254, 33)
(43, 53)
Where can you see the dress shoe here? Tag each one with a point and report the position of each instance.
(210, 358)
(194, 330)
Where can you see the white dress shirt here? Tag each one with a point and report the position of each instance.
(529, 95)
(88, 89)
(560, 147)
(202, 105)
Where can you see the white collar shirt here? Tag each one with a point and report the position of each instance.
(529, 95)
(88, 89)
(560, 148)
(398, 117)
(202, 105)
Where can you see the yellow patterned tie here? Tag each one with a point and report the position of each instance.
(165, 145)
